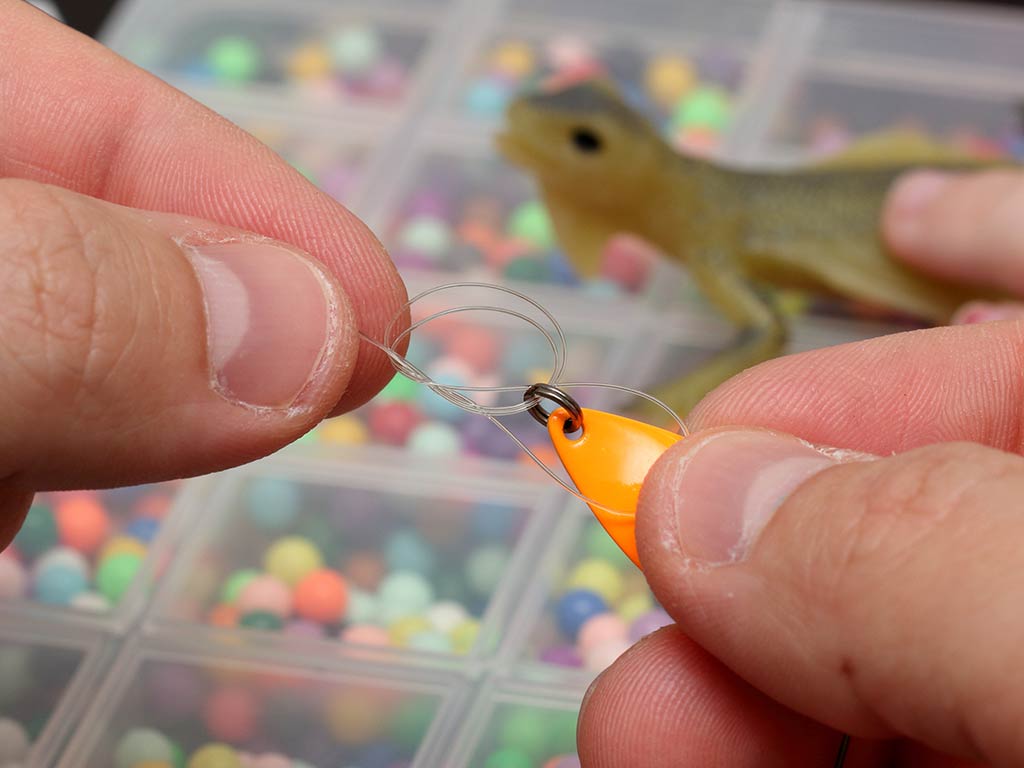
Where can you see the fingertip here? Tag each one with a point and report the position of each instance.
(904, 219)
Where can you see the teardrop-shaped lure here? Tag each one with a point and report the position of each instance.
(608, 464)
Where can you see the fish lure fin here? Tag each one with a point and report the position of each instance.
(608, 463)
(893, 147)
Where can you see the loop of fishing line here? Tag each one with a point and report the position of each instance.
(533, 394)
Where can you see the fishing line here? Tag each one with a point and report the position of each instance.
(456, 394)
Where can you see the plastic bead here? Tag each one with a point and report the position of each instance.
(142, 745)
(291, 558)
(82, 523)
(321, 596)
(116, 574)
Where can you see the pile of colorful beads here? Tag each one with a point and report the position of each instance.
(181, 716)
(528, 737)
(689, 96)
(364, 567)
(356, 60)
(83, 549)
(33, 679)
(464, 352)
(478, 217)
(599, 610)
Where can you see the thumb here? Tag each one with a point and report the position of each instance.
(137, 347)
(880, 597)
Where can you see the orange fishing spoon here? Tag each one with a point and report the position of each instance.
(608, 463)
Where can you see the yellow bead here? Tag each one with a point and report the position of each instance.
(344, 430)
(513, 58)
(310, 62)
(352, 718)
(121, 545)
(635, 606)
(598, 576)
(668, 78)
(400, 631)
(291, 558)
(215, 756)
(464, 636)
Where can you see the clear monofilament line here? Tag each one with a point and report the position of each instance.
(456, 394)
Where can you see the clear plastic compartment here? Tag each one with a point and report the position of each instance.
(317, 55)
(47, 672)
(94, 555)
(480, 348)
(169, 706)
(322, 561)
(687, 88)
(587, 606)
(512, 724)
(824, 111)
(454, 208)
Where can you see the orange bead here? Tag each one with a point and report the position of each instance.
(223, 615)
(321, 595)
(608, 463)
(365, 570)
(82, 523)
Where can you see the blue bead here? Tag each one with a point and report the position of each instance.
(272, 503)
(143, 528)
(525, 353)
(422, 351)
(406, 551)
(436, 407)
(59, 584)
(486, 97)
(561, 269)
(575, 607)
(493, 522)
(380, 755)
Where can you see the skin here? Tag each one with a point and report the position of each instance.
(878, 593)
(108, 178)
(741, 234)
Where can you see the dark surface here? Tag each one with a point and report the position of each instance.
(88, 15)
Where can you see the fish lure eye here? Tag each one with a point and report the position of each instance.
(586, 140)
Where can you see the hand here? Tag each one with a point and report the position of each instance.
(174, 298)
(872, 586)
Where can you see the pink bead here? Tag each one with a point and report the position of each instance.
(231, 715)
(365, 634)
(600, 629)
(265, 593)
(392, 423)
(477, 346)
(627, 260)
(271, 761)
(601, 656)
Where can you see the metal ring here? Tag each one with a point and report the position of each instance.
(560, 398)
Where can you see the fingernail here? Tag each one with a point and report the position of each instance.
(268, 316)
(909, 197)
(728, 487)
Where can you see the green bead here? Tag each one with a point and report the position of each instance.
(232, 58)
(426, 234)
(526, 269)
(261, 620)
(562, 727)
(141, 745)
(115, 574)
(410, 722)
(702, 107)
(525, 729)
(530, 222)
(39, 531)
(178, 756)
(236, 583)
(509, 758)
(599, 544)
(484, 568)
(399, 388)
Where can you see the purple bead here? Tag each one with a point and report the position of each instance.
(428, 202)
(649, 622)
(487, 440)
(408, 259)
(387, 80)
(175, 691)
(562, 656)
(356, 513)
(720, 67)
(303, 628)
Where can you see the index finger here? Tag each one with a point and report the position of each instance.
(77, 115)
